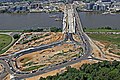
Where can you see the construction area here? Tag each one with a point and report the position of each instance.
(105, 46)
(55, 55)
(33, 39)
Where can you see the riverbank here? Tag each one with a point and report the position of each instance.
(102, 30)
(60, 29)
(51, 29)
(5, 42)
(1, 31)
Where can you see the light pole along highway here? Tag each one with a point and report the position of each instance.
(71, 25)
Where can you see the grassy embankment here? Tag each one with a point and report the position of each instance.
(102, 30)
(11, 31)
(27, 63)
(111, 40)
(33, 67)
(52, 29)
(5, 40)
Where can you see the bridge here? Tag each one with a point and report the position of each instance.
(72, 23)
(69, 20)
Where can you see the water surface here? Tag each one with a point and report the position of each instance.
(41, 20)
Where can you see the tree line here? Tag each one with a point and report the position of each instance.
(98, 71)
(51, 29)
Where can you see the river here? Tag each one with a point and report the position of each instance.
(95, 20)
(41, 20)
(28, 21)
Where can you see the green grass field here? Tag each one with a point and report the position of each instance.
(101, 30)
(5, 40)
(113, 38)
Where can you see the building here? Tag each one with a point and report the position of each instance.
(90, 6)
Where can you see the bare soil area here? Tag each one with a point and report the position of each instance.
(50, 56)
(32, 39)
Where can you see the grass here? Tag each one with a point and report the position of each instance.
(28, 64)
(112, 38)
(113, 41)
(24, 60)
(33, 68)
(5, 40)
(11, 30)
(102, 30)
(76, 55)
(81, 49)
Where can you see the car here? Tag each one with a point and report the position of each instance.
(41, 69)
(56, 64)
(34, 71)
(14, 73)
(6, 61)
(20, 73)
(74, 58)
(79, 56)
(60, 63)
(10, 67)
(27, 73)
(64, 61)
(49, 66)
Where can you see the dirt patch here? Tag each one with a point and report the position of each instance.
(107, 54)
(33, 39)
(50, 56)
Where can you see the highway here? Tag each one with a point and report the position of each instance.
(14, 70)
(3, 72)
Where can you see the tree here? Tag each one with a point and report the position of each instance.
(98, 71)
(54, 29)
(16, 36)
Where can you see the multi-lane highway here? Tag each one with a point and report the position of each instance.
(8, 61)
